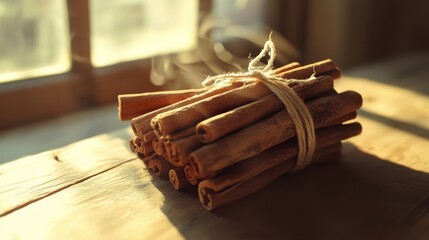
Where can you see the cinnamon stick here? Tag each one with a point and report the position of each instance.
(158, 146)
(341, 120)
(138, 145)
(269, 132)
(211, 199)
(149, 136)
(141, 124)
(178, 151)
(324, 67)
(180, 134)
(220, 125)
(134, 105)
(176, 145)
(273, 156)
(191, 175)
(178, 179)
(147, 149)
(159, 166)
(287, 67)
(143, 148)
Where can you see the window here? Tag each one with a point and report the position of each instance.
(33, 39)
(147, 27)
(74, 54)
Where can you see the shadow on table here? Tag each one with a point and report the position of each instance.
(361, 197)
(398, 124)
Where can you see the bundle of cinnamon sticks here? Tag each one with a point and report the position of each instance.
(232, 140)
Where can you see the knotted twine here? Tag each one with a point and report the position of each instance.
(296, 108)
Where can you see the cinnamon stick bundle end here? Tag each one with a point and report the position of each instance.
(159, 166)
(191, 175)
(178, 179)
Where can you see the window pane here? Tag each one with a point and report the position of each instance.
(33, 39)
(125, 30)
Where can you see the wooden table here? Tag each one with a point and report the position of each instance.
(97, 189)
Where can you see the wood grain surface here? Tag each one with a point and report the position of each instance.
(97, 189)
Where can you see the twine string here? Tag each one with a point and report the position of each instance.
(296, 108)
